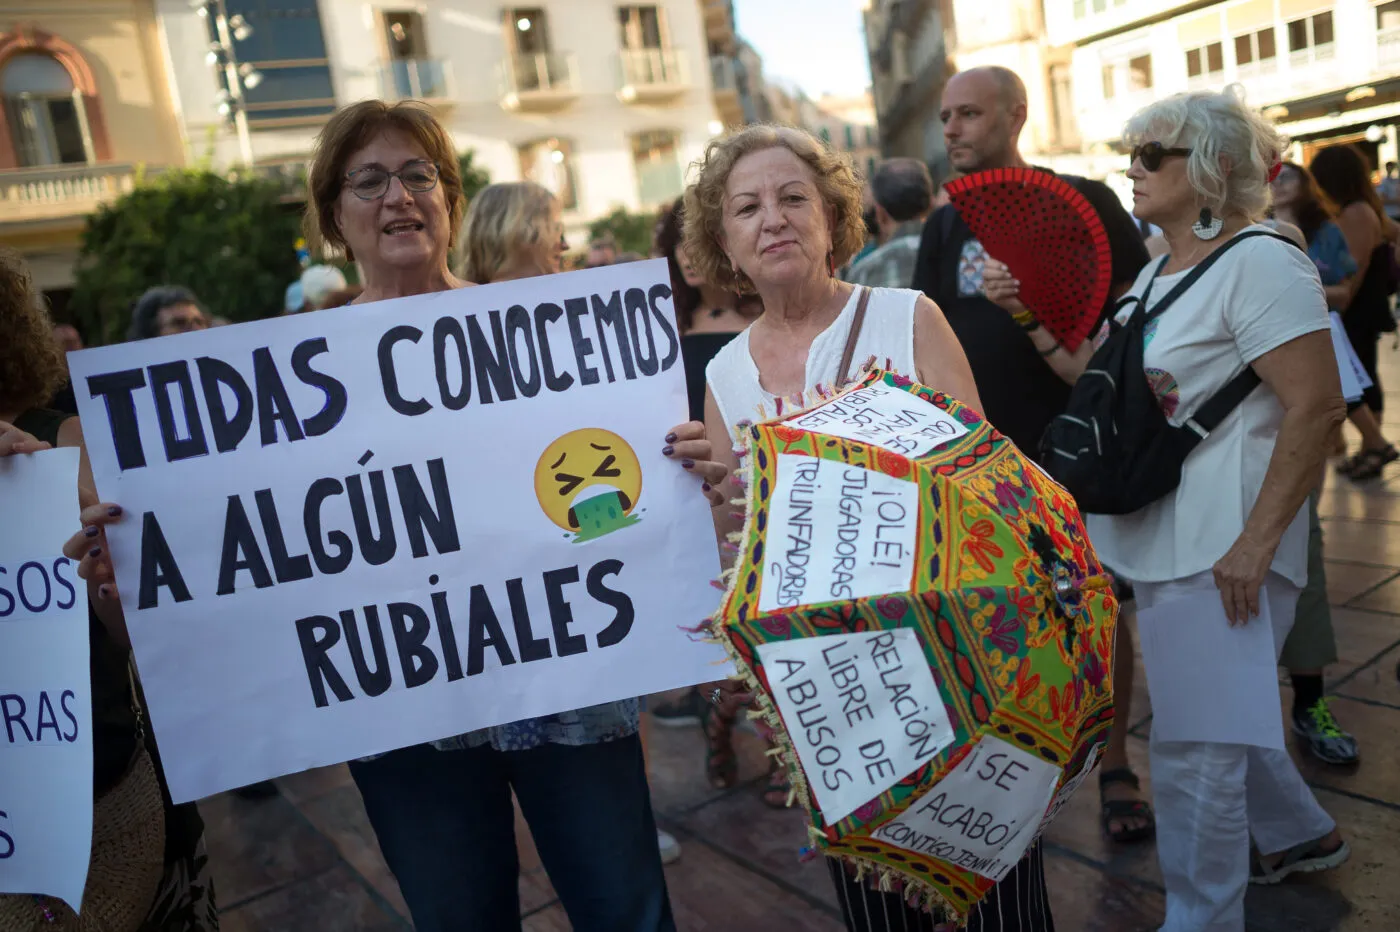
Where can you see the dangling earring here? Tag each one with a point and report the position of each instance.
(1208, 227)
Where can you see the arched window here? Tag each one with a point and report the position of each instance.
(47, 117)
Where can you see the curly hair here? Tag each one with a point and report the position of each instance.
(31, 364)
(704, 200)
(1218, 127)
(352, 128)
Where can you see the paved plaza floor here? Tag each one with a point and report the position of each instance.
(307, 860)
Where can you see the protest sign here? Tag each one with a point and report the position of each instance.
(369, 527)
(45, 688)
(862, 711)
(886, 417)
(984, 814)
(839, 532)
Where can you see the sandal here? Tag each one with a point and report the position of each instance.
(1306, 858)
(779, 788)
(721, 763)
(1123, 811)
(1368, 464)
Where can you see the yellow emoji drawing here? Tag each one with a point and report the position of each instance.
(589, 481)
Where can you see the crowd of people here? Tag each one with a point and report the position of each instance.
(780, 256)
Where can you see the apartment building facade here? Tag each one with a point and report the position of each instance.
(85, 111)
(909, 63)
(1325, 72)
(603, 103)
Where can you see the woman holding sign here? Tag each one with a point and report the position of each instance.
(774, 212)
(386, 188)
(148, 869)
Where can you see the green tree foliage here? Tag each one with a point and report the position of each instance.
(632, 232)
(474, 177)
(229, 239)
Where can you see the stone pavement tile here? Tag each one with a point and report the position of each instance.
(1086, 899)
(300, 787)
(339, 815)
(1377, 682)
(332, 900)
(1343, 499)
(1360, 542)
(768, 840)
(1378, 774)
(259, 845)
(1360, 635)
(1076, 829)
(1361, 894)
(676, 766)
(1346, 581)
(1385, 598)
(712, 893)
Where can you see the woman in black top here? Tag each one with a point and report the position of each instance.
(1343, 174)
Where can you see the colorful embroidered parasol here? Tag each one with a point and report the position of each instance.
(1050, 237)
(924, 623)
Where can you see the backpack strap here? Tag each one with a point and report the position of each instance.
(1195, 274)
(1219, 405)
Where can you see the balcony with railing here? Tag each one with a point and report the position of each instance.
(539, 82)
(648, 76)
(62, 192)
(416, 79)
(724, 77)
(1388, 49)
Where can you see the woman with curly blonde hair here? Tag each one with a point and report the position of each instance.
(773, 212)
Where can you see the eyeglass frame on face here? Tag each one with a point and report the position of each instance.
(389, 176)
(1152, 153)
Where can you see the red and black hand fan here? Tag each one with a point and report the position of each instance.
(1050, 237)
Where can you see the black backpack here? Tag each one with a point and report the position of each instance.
(1113, 448)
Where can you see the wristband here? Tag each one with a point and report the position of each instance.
(1051, 351)
(1026, 319)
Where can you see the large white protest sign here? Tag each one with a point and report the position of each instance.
(885, 416)
(45, 691)
(984, 815)
(862, 711)
(837, 532)
(364, 528)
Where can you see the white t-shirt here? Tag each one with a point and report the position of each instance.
(1257, 297)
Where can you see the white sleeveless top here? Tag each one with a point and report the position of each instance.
(887, 334)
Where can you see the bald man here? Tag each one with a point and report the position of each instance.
(983, 113)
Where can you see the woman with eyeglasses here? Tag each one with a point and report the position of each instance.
(1236, 528)
(385, 187)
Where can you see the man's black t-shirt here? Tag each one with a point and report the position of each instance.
(1020, 392)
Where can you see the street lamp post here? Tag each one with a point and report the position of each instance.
(223, 54)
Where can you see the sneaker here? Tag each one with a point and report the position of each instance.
(670, 848)
(1319, 732)
(1300, 859)
(681, 713)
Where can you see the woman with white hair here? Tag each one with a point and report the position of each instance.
(1236, 525)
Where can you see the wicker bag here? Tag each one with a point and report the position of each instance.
(127, 863)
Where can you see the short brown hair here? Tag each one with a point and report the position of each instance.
(350, 129)
(704, 200)
(31, 364)
(504, 218)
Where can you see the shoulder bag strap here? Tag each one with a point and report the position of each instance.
(844, 371)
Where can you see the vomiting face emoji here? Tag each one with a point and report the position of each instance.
(589, 481)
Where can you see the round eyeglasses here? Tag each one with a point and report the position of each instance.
(372, 182)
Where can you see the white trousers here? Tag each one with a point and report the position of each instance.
(1210, 798)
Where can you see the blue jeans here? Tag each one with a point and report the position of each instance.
(447, 830)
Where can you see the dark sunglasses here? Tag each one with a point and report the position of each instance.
(1152, 153)
(372, 183)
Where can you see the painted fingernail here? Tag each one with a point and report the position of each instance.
(114, 510)
(671, 437)
(95, 552)
(704, 487)
(667, 450)
(104, 591)
(90, 531)
(687, 464)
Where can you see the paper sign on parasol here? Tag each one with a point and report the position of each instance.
(1050, 237)
(925, 625)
